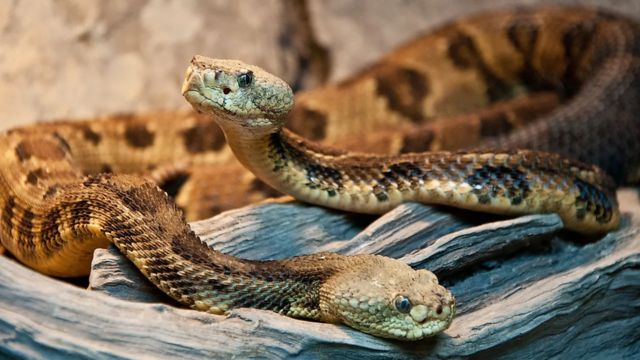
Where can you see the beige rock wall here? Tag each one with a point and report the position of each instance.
(80, 58)
(77, 58)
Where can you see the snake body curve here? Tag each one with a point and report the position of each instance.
(480, 82)
(53, 215)
(508, 182)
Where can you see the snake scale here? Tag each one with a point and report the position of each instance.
(64, 187)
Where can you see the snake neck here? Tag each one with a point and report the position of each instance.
(173, 258)
(506, 182)
(279, 157)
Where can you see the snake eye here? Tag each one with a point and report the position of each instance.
(245, 79)
(403, 304)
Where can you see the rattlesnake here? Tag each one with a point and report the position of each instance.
(53, 215)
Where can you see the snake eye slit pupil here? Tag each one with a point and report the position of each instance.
(403, 304)
(245, 79)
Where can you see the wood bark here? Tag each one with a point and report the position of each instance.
(524, 287)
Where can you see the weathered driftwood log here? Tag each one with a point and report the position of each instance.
(524, 289)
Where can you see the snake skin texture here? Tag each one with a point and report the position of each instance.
(476, 83)
(550, 79)
(506, 182)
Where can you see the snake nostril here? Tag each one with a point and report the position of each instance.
(439, 310)
(226, 90)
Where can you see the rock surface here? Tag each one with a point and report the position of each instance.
(534, 292)
(82, 58)
(70, 59)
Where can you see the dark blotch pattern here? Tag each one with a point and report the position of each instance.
(462, 51)
(138, 136)
(465, 55)
(325, 178)
(404, 89)
(205, 136)
(34, 175)
(592, 200)
(51, 191)
(22, 153)
(106, 169)
(174, 184)
(405, 170)
(499, 181)
(26, 230)
(403, 176)
(50, 232)
(90, 135)
(80, 213)
(577, 42)
(7, 213)
(308, 122)
(64, 144)
(523, 35)
(380, 193)
(278, 152)
(42, 148)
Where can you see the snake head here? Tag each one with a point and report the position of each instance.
(387, 298)
(237, 94)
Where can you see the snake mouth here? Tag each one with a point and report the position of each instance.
(186, 84)
(413, 332)
(201, 96)
(192, 88)
(435, 324)
(195, 90)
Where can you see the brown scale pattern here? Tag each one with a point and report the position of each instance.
(507, 182)
(54, 223)
(493, 69)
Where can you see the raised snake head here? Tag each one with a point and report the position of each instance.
(387, 298)
(238, 95)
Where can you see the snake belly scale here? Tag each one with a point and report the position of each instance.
(59, 201)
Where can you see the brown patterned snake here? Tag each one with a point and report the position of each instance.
(52, 216)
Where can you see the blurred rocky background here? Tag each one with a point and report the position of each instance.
(78, 58)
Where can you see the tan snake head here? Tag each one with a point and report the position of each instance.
(238, 95)
(387, 298)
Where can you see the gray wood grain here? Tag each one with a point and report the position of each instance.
(531, 293)
(534, 293)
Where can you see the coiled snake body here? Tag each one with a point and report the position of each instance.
(53, 216)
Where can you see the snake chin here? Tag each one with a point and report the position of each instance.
(389, 299)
